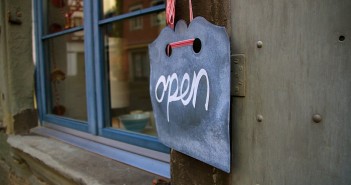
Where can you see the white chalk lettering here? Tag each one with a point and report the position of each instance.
(183, 91)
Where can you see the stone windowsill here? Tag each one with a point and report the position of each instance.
(56, 161)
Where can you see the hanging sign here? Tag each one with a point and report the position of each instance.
(190, 90)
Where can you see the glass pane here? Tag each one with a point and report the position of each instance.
(65, 55)
(118, 7)
(126, 53)
(62, 14)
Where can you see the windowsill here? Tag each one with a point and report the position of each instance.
(68, 135)
(82, 165)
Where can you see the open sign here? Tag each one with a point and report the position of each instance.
(190, 91)
(181, 94)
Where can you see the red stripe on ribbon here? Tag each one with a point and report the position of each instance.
(170, 15)
(182, 43)
(170, 12)
(190, 11)
(179, 44)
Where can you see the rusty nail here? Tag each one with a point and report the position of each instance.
(317, 118)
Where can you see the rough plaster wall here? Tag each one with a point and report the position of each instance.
(2, 58)
(16, 88)
(16, 63)
(19, 48)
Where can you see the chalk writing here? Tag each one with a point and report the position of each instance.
(181, 93)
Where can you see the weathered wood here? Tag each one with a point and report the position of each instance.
(302, 69)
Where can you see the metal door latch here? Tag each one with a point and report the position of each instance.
(238, 80)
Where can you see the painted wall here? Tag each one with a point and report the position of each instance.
(2, 58)
(302, 69)
(17, 112)
(16, 65)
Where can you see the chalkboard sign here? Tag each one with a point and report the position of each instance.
(190, 91)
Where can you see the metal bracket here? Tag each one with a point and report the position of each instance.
(238, 78)
(15, 18)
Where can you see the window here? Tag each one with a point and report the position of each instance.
(139, 70)
(93, 68)
(159, 18)
(137, 22)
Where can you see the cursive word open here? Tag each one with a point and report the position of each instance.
(179, 94)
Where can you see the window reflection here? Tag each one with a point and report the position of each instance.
(137, 22)
(63, 14)
(126, 53)
(67, 76)
(112, 8)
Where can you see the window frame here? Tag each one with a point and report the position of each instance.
(95, 76)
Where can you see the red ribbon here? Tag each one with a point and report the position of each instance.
(170, 12)
(179, 44)
(170, 15)
(190, 11)
(182, 43)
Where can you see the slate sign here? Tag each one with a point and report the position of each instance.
(190, 91)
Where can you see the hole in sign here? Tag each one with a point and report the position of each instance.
(197, 45)
(168, 50)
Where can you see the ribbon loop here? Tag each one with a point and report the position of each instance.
(170, 12)
(191, 11)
